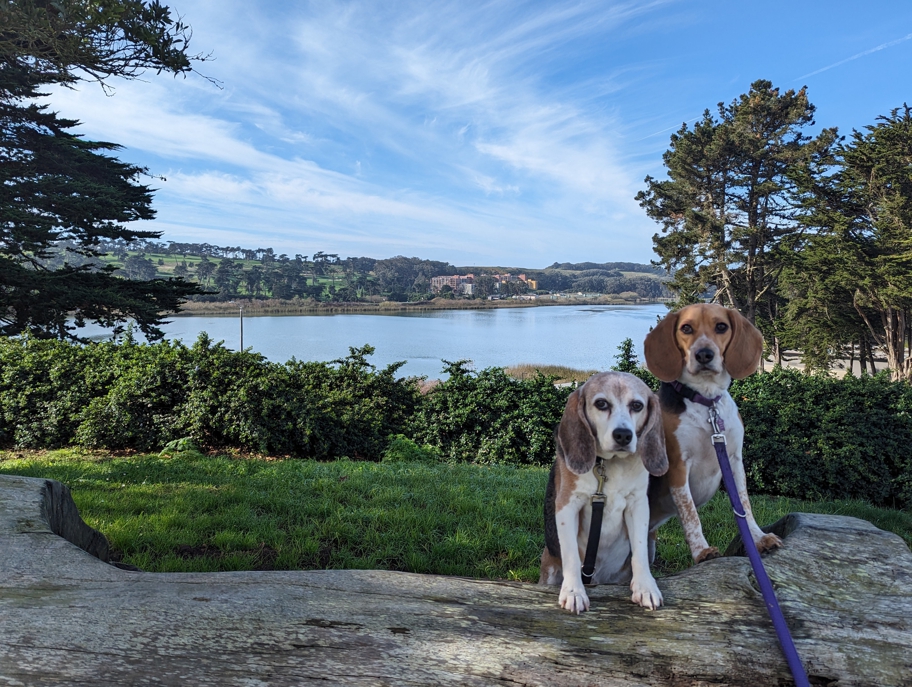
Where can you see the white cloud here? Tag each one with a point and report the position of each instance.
(420, 128)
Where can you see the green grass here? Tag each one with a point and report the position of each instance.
(202, 513)
(720, 528)
(195, 513)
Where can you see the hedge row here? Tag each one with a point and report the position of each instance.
(806, 437)
(130, 396)
(817, 437)
(144, 396)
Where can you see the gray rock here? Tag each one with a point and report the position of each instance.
(68, 618)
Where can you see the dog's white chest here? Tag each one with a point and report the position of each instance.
(626, 482)
(694, 436)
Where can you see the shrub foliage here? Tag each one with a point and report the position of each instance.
(489, 417)
(132, 396)
(809, 437)
(815, 437)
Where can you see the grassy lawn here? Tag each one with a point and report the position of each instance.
(202, 513)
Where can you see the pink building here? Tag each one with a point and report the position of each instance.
(461, 284)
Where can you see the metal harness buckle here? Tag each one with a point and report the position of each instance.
(599, 496)
(718, 426)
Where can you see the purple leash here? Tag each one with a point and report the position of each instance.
(766, 587)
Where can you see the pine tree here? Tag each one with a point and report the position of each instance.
(56, 186)
(727, 204)
(858, 253)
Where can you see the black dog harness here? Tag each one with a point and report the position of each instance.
(595, 525)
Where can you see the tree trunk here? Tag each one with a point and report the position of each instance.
(777, 352)
(894, 322)
(729, 292)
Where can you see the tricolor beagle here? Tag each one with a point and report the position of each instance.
(613, 417)
(700, 349)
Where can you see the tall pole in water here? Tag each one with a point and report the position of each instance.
(241, 312)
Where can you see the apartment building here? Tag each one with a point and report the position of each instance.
(504, 278)
(464, 284)
(461, 284)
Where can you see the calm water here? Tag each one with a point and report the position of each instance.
(584, 337)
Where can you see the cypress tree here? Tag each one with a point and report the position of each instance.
(58, 189)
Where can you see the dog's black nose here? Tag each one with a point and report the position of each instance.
(705, 355)
(622, 436)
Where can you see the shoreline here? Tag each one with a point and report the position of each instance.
(274, 307)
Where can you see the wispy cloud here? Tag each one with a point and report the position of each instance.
(882, 46)
(670, 128)
(511, 131)
(430, 125)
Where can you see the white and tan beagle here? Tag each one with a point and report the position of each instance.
(614, 417)
(700, 348)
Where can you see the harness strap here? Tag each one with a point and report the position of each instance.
(763, 580)
(595, 530)
(595, 524)
(685, 391)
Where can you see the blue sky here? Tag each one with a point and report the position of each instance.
(499, 133)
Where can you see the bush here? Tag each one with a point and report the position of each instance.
(808, 437)
(307, 409)
(137, 391)
(401, 449)
(43, 389)
(488, 417)
(814, 437)
(353, 408)
(130, 396)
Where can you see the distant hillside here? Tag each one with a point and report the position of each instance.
(230, 272)
(610, 266)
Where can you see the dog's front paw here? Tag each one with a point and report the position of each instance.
(768, 542)
(707, 554)
(646, 593)
(574, 599)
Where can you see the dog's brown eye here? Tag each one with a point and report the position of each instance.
(602, 404)
(636, 406)
(687, 329)
(721, 327)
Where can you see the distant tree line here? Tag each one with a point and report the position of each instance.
(226, 271)
(808, 235)
(608, 266)
(600, 281)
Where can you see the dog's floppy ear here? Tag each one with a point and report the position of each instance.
(663, 357)
(742, 356)
(651, 442)
(574, 435)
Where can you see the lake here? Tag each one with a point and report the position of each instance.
(584, 337)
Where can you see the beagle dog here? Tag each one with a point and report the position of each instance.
(613, 419)
(696, 352)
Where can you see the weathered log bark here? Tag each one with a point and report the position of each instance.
(67, 618)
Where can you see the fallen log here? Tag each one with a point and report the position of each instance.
(69, 618)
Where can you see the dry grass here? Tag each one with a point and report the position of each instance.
(426, 386)
(560, 372)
